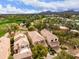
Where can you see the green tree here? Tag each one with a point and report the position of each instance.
(64, 55)
(31, 28)
(12, 29)
(10, 57)
(39, 51)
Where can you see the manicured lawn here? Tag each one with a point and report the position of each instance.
(2, 29)
(5, 23)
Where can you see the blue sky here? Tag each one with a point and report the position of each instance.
(35, 6)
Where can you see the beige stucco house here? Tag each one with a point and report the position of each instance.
(36, 38)
(51, 39)
(4, 47)
(77, 56)
(21, 47)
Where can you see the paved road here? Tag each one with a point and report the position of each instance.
(4, 47)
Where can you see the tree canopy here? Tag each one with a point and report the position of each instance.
(39, 51)
(64, 55)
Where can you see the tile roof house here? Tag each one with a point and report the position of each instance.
(51, 39)
(21, 47)
(4, 47)
(74, 31)
(36, 38)
(63, 28)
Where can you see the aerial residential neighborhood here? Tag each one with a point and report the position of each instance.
(40, 38)
(39, 29)
(48, 38)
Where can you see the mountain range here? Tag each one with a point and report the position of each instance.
(64, 12)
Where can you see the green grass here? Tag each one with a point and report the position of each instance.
(2, 33)
(10, 21)
(2, 29)
(5, 23)
(10, 57)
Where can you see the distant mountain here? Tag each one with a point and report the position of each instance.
(71, 12)
(63, 13)
(46, 12)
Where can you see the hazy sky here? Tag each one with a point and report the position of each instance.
(35, 6)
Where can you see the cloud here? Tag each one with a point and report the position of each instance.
(13, 10)
(38, 6)
(53, 5)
